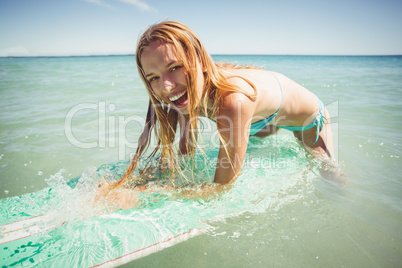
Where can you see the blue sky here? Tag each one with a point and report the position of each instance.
(92, 27)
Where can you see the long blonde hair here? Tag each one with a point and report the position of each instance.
(163, 120)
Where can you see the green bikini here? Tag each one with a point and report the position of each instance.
(318, 122)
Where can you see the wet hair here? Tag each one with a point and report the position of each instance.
(163, 119)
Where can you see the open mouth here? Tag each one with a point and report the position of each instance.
(180, 100)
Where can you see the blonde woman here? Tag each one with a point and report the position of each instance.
(183, 83)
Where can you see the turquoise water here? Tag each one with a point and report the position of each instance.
(63, 117)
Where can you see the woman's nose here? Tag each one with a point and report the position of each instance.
(168, 83)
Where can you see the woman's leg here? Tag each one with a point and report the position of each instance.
(323, 148)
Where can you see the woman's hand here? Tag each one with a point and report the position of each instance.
(205, 192)
(110, 200)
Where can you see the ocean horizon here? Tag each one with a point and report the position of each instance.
(214, 54)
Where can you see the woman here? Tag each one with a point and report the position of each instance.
(184, 83)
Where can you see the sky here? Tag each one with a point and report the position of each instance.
(272, 27)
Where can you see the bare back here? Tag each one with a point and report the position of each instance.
(275, 91)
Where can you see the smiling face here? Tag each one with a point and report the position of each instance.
(167, 76)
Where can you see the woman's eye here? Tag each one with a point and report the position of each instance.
(175, 68)
(152, 79)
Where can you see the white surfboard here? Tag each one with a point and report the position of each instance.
(152, 248)
(43, 229)
(24, 228)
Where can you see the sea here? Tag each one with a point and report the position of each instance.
(69, 118)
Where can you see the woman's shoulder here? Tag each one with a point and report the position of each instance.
(256, 76)
(232, 98)
(241, 81)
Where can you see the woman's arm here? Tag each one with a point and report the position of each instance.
(186, 143)
(233, 123)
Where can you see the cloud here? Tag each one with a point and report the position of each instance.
(141, 5)
(138, 3)
(99, 3)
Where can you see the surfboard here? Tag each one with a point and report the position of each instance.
(41, 229)
(24, 229)
(152, 248)
(147, 236)
(44, 230)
